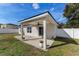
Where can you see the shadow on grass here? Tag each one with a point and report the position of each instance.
(65, 42)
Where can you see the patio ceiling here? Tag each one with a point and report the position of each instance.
(38, 20)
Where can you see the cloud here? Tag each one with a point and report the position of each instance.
(52, 9)
(35, 6)
(22, 4)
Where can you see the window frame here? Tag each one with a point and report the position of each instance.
(29, 29)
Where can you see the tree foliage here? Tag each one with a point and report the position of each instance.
(69, 10)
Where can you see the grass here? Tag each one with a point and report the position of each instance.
(10, 46)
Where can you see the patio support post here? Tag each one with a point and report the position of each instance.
(21, 31)
(44, 35)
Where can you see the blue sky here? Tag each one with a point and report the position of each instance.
(14, 12)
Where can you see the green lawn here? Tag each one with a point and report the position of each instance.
(9, 46)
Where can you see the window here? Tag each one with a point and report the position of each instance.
(29, 29)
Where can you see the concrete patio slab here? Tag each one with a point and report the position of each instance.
(35, 42)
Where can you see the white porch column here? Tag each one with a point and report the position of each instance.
(21, 31)
(44, 35)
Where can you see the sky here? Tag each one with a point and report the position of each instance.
(14, 12)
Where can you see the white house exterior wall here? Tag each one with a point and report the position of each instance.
(33, 33)
(51, 31)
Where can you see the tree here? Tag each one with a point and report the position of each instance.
(71, 12)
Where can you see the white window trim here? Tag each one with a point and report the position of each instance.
(29, 29)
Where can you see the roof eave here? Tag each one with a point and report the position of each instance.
(21, 21)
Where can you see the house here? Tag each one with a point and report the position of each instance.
(39, 26)
(9, 26)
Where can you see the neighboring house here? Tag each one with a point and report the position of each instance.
(9, 26)
(40, 26)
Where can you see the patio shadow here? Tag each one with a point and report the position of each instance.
(65, 42)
